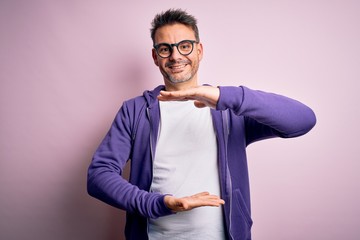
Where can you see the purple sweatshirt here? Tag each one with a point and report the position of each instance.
(242, 116)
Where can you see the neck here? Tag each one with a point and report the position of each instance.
(169, 86)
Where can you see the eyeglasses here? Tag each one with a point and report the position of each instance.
(185, 47)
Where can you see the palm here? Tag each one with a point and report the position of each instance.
(194, 201)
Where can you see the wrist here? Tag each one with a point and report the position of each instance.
(168, 200)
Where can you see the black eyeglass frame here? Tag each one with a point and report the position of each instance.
(171, 47)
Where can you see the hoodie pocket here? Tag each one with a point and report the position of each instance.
(242, 221)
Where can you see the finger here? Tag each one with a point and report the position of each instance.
(208, 202)
(205, 195)
(212, 200)
(177, 94)
(211, 197)
(199, 104)
(169, 98)
(201, 194)
(188, 203)
(205, 199)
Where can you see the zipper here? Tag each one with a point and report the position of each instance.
(152, 160)
(230, 199)
(136, 126)
(151, 135)
(226, 131)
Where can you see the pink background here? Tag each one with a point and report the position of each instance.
(66, 67)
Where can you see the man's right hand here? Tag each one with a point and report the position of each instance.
(187, 203)
(202, 95)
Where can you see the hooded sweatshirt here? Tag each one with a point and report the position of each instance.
(242, 116)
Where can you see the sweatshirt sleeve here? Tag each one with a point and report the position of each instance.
(267, 114)
(105, 182)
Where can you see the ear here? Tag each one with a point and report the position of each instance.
(200, 51)
(155, 57)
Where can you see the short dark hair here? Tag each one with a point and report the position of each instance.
(173, 16)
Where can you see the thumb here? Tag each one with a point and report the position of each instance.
(199, 104)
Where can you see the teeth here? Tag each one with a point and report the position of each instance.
(177, 67)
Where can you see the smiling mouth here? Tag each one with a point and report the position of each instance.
(177, 67)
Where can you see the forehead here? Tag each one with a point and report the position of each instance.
(174, 33)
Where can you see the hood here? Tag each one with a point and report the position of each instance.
(151, 95)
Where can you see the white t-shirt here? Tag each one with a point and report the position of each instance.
(185, 164)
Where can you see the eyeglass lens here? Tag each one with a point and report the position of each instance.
(184, 47)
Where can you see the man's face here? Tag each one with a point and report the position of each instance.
(177, 68)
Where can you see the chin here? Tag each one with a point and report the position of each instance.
(179, 79)
(175, 81)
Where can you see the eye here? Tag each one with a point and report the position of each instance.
(185, 46)
(163, 49)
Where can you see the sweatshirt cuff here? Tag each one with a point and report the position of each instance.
(162, 209)
(230, 98)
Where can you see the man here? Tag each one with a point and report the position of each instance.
(186, 143)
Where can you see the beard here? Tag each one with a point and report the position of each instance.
(182, 76)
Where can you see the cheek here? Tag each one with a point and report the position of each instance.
(156, 61)
(162, 63)
(155, 58)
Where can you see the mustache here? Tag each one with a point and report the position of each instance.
(171, 63)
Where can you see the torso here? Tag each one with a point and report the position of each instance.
(185, 164)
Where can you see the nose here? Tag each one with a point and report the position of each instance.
(175, 54)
